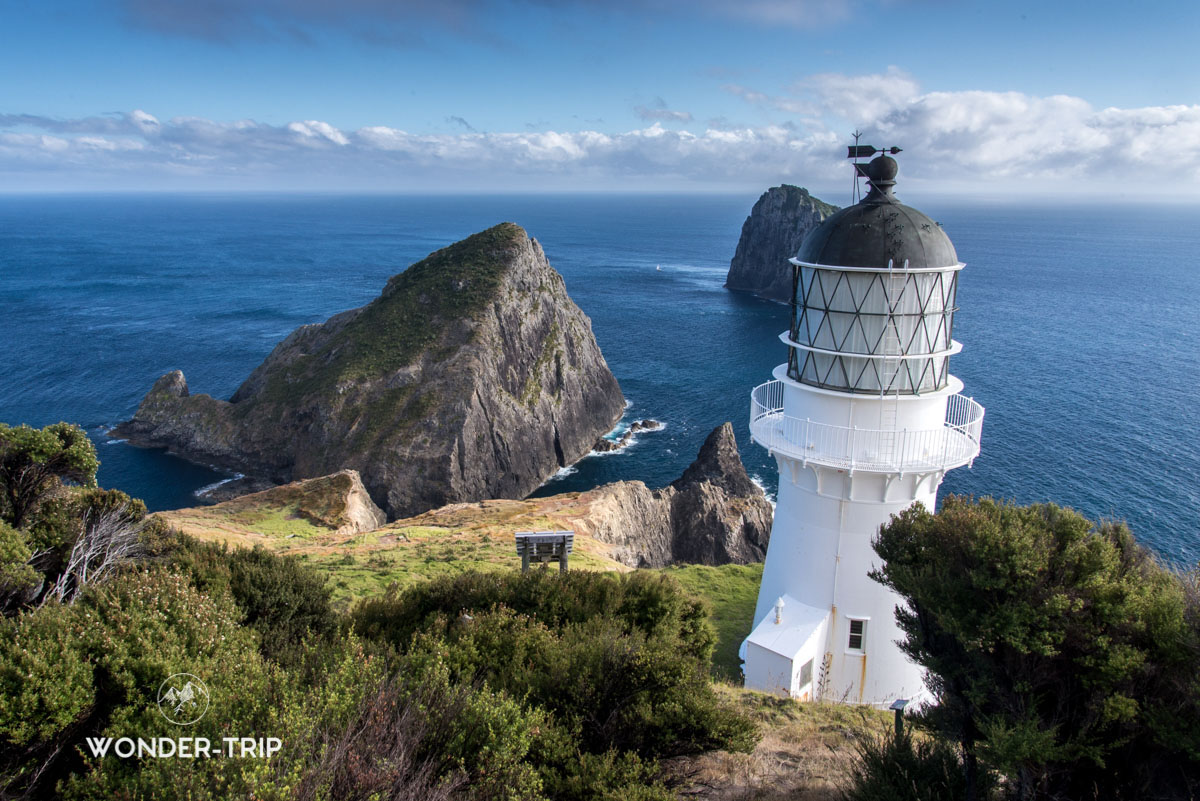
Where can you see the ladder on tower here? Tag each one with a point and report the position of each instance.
(890, 378)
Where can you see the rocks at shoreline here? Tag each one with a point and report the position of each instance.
(604, 445)
(473, 375)
(771, 235)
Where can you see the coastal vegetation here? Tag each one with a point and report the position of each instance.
(495, 685)
(1062, 656)
(415, 661)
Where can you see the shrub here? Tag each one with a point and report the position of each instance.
(907, 768)
(95, 666)
(619, 661)
(279, 597)
(652, 603)
(1061, 653)
(19, 581)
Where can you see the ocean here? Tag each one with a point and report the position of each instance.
(1080, 326)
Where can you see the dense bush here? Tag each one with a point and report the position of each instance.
(1060, 652)
(618, 663)
(279, 597)
(651, 603)
(484, 687)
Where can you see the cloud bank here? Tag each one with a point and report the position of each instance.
(976, 141)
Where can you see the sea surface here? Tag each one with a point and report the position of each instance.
(1080, 326)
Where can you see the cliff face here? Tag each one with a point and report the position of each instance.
(771, 235)
(473, 375)
(713, 514)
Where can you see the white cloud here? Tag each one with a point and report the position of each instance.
(321, 132)
(1001, 141)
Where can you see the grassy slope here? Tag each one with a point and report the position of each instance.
(453, 539)
(805, 752)
(731, 591)
(456, 538)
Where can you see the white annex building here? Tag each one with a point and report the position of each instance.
(863, 420)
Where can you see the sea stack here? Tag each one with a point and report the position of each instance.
(771, 235)
(711, 515)
(473, 375)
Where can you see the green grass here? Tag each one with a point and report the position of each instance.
(731, 591)
(356, 572)
(281, 522)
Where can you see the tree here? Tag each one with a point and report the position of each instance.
(1060, 652)
(34, 462)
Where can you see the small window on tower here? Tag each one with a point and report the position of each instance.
(858, 636)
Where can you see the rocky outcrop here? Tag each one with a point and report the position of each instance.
(338, 502)
(771, 235)
(473, 375)
(713, 514)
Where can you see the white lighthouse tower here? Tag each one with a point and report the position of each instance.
(863, 419)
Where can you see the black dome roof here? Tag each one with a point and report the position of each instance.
(879, 229)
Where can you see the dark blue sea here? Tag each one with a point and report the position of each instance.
(1081, 326)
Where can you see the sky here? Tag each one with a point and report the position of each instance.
(1097, 99)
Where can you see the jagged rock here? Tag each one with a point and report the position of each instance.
(713, 514)
(771, 235)
(473, 375)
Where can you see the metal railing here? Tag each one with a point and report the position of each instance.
(896, 451)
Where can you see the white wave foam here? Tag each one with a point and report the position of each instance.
(758, 482)
(561, 473)
(200, 493)
(116, 441)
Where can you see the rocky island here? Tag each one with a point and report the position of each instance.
(473, 375)
(771, 235)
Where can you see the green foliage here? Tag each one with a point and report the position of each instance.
(34, 462)
(17, 576)
(906, 768)
(282, 599)
(1060, 651)
(731, 592)
(610, 776)
(617, 663)
(95, 666)
(649, 602)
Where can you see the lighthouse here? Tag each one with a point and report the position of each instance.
(863, 419)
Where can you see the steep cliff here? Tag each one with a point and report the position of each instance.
(473, 375)
(771, 235)
(713, 514)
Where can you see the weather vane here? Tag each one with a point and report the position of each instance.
(857, 151)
